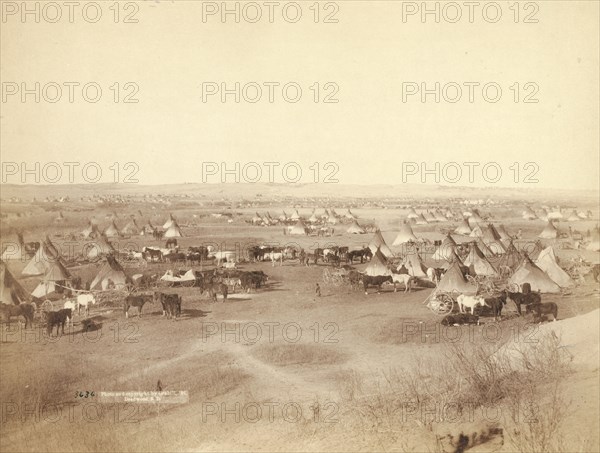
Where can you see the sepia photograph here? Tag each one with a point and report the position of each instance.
(300, 226)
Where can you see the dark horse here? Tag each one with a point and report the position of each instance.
(136, 301)
(213, 285)
(58, 319)
(25, 310)
(377, 281)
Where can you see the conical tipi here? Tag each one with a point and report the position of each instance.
(546, 261)
(11, 291)
(378, 265)
(528, 272)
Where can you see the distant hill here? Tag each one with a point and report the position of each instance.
(265, 190)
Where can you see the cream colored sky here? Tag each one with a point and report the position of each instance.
(369, 53)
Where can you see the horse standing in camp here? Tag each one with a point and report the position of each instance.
(377, 281)
(404, 279)
(26, 310)
(136, 301)
(85, 300)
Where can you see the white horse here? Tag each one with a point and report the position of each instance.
(470, 302)
(405, 279)
(275, 256)
(72, 305)
(432, 275)
(85, 300)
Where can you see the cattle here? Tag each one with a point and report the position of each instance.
(469, 302)
(460, 319)
(58, 319)
(378, 280)
(524, 299)
(405, 279)
(496, 304)
(596, 272)
(548, 308)
(136, 301)
(26, 310)
(171, 304)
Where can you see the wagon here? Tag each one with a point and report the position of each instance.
(182, 278)
(143, 282)
(335, 277)
(443, 302)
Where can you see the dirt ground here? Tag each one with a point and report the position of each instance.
(279, 369)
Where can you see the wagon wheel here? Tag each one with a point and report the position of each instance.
(336, 280)
(46, 306)
(473, 280)
(514, 287)
(188, 283)
(130, 288)
(442, 304)
(487, 287)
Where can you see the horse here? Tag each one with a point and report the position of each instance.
(524, 299)
(377, 281)
(85, 300)
(171, 304)
(496, 303)
(470, 302)
(171, 243)
(58, 319)
(26, 310)
(217, 287)
(405, 279)
(275, 257)
(152, 255)
(136, 301)
(435, 274)
(548, 308)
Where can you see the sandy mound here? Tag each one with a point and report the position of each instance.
(578, 336)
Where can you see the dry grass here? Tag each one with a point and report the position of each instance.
(299, 354)
(471, 377)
